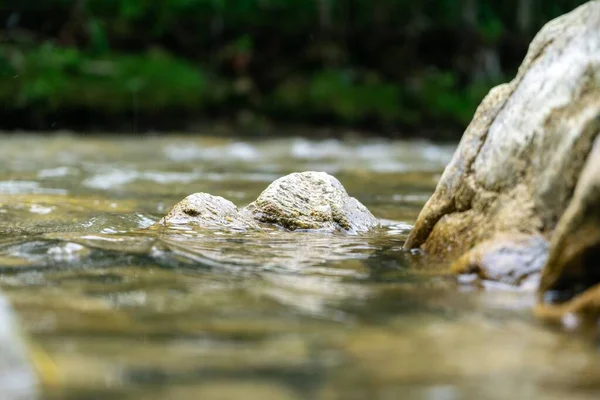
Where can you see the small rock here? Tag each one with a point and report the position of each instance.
(207, 211)
(299, 201)
(311, 200)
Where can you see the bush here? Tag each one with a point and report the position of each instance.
(380, 64)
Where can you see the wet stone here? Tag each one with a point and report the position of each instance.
(508, 259)
(299, 201)
(521, 192)
(18, 378)
(311, 200)
(207, 211)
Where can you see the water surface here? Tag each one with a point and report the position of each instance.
(126, 313)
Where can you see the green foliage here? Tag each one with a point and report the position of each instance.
(50, 78)
(446, 100)
(340, 95)
(379, 63)
(98, 39)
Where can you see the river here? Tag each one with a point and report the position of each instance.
(125, 313)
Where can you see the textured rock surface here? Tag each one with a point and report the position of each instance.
(311, 200)
(520, 159)
(307, 200)
(574, 260)
(204, 210)
(510, 259)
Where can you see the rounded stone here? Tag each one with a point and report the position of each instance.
(311, 201)
(206, 211)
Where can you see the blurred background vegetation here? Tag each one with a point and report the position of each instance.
(394, 67)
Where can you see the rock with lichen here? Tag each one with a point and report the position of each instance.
(522, 185)
(299, 201)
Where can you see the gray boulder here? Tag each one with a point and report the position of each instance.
(523, 168)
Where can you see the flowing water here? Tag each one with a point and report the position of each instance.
(123, 312)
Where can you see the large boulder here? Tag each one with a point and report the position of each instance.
(524, 177)
(299, 201)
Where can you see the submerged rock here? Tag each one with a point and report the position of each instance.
(519, 169)
(299, 201)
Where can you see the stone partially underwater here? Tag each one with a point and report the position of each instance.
(521, 195)
(299, 201)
